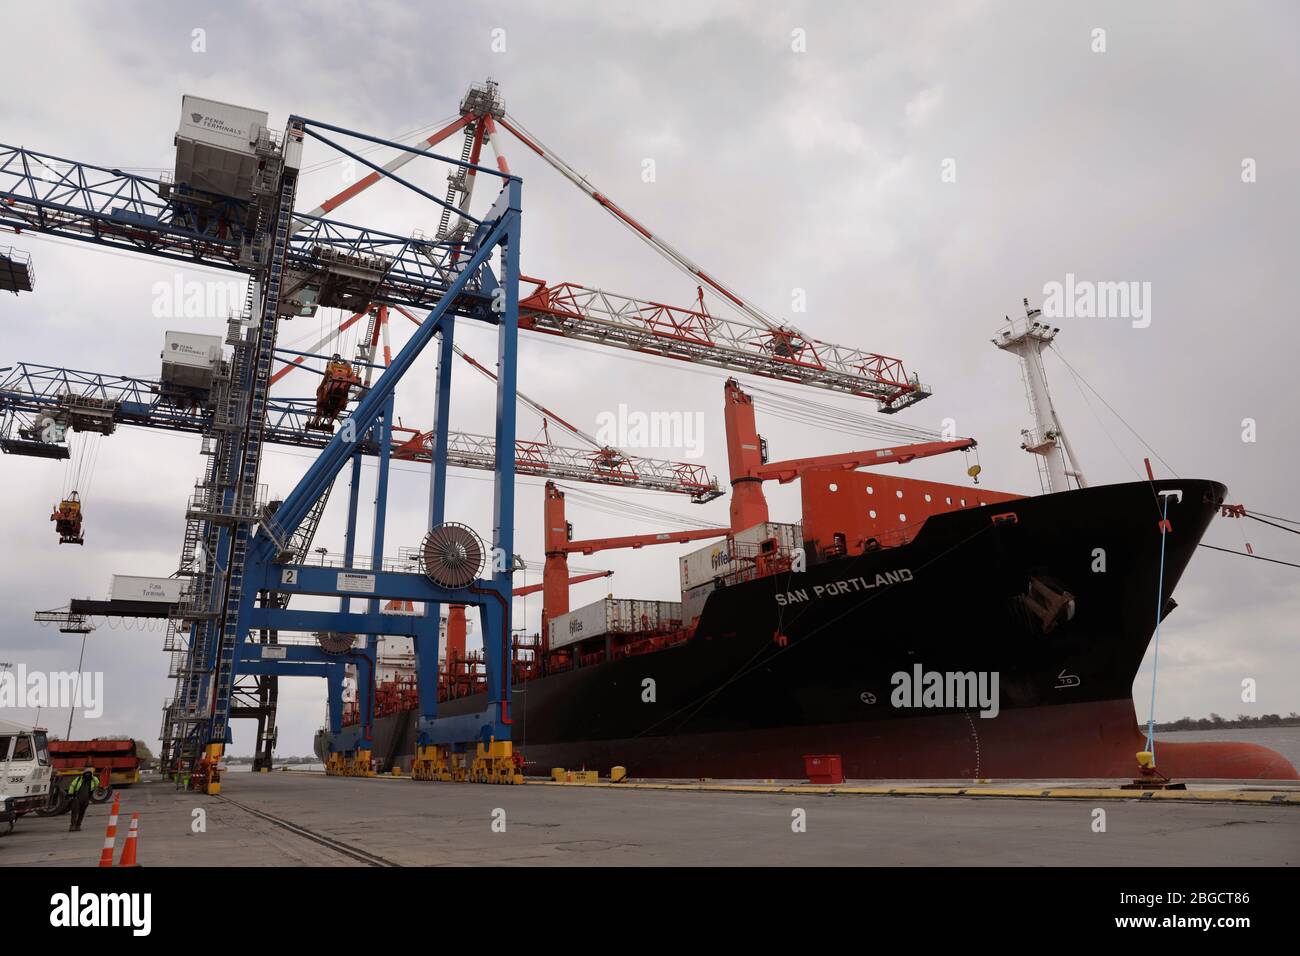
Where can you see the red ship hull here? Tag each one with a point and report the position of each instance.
(1095, 739)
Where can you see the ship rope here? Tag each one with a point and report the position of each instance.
(1111, 409)
(1260, 516)
(1155, 657)
(1247, 554)
(1275, 517)
(1270, 523)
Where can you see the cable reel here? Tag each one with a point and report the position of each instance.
(452, 555)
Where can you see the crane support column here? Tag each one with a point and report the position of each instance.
(555, 571)
(426, 646)
(1027, 339)
(744, 457)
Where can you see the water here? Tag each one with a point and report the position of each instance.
(248, 767)
(1285, 740)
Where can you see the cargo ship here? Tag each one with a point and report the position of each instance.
(913, 628)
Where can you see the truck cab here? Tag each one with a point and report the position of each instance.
(25, 771)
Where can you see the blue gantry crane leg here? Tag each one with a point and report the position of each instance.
(426, 650)
(470, 746)
(247, 549)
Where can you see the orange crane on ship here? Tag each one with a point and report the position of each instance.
(748, 467)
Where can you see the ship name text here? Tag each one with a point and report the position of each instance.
(841, 587)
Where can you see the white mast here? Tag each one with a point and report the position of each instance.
(1027, 338)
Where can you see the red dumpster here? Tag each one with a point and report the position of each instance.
(823, 768)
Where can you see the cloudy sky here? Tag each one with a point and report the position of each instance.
(914, 169)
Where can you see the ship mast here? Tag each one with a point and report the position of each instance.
(1027, 338)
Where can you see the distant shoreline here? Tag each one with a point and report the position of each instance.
(1268, 721)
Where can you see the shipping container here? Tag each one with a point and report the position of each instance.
(735, 553)
(693, 601)
(702, 566)
(130, 587)
(215, 146)
(613, 616)
(190, 360)
(786, 535)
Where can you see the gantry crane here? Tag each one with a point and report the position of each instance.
(304, 261)
(754, 343)
(32, 396)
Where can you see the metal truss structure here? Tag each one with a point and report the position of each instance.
(92, 401)
(245, 559)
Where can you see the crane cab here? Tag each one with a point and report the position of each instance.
(67, 520)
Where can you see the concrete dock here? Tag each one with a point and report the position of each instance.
(308, 819)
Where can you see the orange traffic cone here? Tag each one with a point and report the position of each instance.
(128, 850)
(110, 837)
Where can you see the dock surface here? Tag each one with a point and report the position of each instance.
(308, 819)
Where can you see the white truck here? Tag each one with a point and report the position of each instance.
(25, 772)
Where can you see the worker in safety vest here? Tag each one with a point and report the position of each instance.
(80, 790)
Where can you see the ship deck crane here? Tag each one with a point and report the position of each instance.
(559, 544)
(749, 468)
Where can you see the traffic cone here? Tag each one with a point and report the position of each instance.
(128, 850)
(110, 837)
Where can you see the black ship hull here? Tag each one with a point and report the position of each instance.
(806, 663)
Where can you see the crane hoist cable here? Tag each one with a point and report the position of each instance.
(1111, 408)
(782, 405)
(536, 405)
(621, 507)
(727, 295)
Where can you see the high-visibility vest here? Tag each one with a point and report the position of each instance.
(76, 784)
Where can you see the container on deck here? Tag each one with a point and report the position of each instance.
(613, 616)
(735, 552)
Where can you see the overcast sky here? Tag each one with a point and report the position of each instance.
(795, 147)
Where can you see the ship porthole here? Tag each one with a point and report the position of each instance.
(835, 487)
(949, 500)
(963, 502)
(927, 498)
(872, 513)
(902, 517)
(870, 490)
(898, 494)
